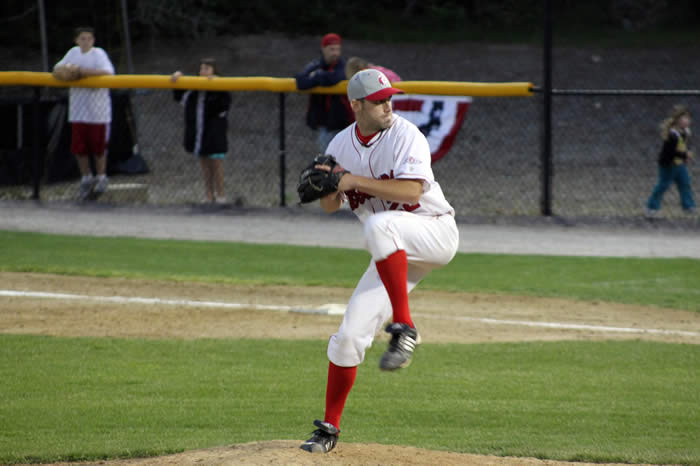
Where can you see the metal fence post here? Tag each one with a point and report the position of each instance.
(283, 163)
(36, 141)
(546, 207)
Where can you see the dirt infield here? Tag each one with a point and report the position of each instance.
(287, 452)
(442, 317)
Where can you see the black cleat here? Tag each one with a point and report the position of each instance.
(404, 340)
(323, 439)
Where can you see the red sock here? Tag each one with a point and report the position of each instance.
(393, 271)
(340, 381)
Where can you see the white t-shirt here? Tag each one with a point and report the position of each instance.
(401, 151)
(89, 105)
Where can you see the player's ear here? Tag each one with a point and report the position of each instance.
(356, 105)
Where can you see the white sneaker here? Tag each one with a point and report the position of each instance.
(101, 185)
(651, 213)
(85, 188)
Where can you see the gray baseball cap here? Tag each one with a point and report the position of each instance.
(370, 84)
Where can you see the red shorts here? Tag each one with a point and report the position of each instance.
(88, 138)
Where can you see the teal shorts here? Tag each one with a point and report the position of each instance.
(213, 156)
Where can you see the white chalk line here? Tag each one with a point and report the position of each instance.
(328, 309)
(338, 309)
(564, 326)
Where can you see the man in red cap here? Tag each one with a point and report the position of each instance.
(327, 113)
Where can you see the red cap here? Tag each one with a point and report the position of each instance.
(330, 39)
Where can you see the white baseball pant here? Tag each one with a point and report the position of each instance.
(429, 241)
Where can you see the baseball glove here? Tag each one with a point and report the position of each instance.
(315, 183)
(67, 72)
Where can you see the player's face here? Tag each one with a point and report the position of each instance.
(206, 70)
(374, 115)
(331, 53)
(85, 41)
(684, 121)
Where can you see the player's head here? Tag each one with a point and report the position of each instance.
(353, 65)
(370, 84)
(681, 116)
(678, 118)
(331, 48)
(207, 67)
(84, 37)
(370, 92)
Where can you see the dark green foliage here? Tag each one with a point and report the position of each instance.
(428, 20)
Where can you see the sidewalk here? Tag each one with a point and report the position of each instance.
(311, 227)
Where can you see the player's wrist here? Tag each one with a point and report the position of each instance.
(347, 182)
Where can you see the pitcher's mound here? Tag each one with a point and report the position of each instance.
(287, 452)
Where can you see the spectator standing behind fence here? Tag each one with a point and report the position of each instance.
(206, 126)
(355, 64)
(674, 155)
(327, 113)
(89, 112)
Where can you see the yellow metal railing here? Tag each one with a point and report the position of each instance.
(260, 83)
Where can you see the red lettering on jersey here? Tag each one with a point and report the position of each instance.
(355, 198)
(396, 205)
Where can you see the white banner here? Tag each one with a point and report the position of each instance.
(439, 117)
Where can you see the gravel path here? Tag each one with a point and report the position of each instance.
(311, 227)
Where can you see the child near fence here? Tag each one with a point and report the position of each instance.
(672, 162)
(89, 112)
(206, 126)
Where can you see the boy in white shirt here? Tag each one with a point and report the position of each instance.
(89, 111)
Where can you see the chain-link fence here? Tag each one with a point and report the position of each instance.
(485, 172)
(607, 107)
(604, 146)
(605, 149)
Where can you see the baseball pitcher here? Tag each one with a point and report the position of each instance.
(380, 165)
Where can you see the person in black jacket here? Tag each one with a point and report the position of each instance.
(327, 113)
(206, 124)
(674, 155)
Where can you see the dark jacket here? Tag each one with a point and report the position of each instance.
(331, 111)
(214, 123)
(675, 148)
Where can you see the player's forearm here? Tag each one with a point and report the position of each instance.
(330, 78)
(331, 203)
(307, 79)
(404, 191)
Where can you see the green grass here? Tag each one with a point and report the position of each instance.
(672, 283)
(70, 399)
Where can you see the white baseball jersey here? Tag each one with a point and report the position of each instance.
(426, 231)
(89, 105)
(401, 151)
